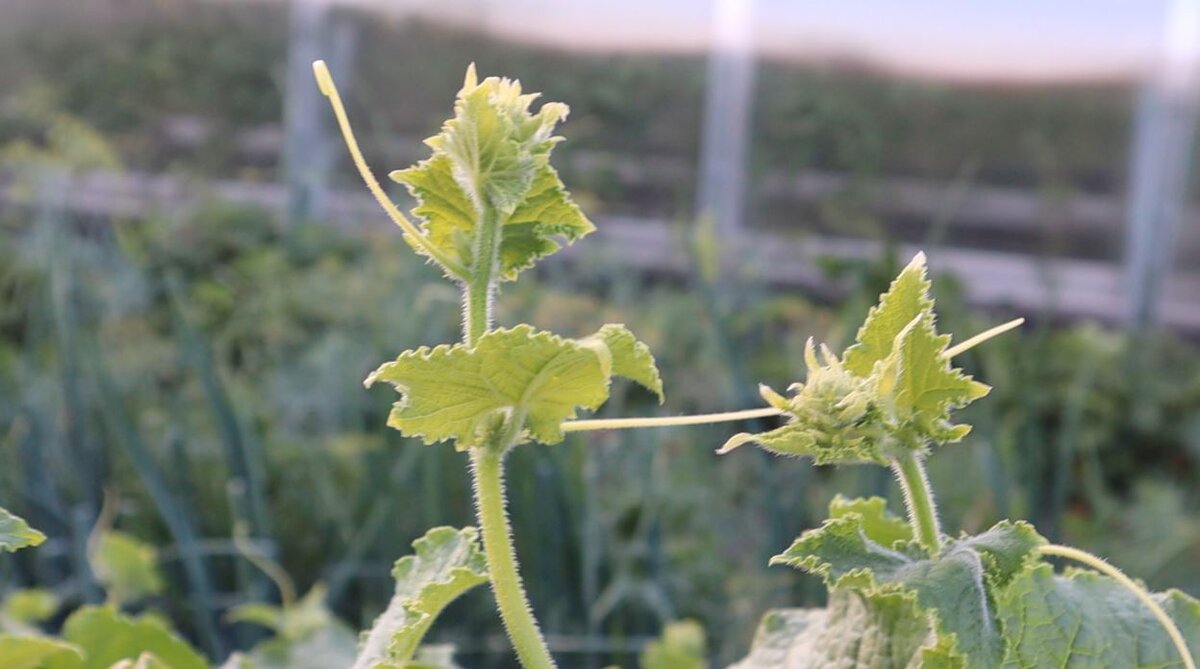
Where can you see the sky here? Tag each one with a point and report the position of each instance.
(955, 39)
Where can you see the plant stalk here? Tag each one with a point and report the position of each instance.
(922, 511)
(487, 466)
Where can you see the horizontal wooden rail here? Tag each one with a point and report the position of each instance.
(1025, 284)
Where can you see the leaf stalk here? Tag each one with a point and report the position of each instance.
(918, 498)
(667, 421)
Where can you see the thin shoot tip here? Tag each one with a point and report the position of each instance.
(324, 79)
(470, 80)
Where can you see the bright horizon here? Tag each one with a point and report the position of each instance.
(1021, 40)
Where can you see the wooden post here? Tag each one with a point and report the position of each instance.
(720, 191)
(1161, 165)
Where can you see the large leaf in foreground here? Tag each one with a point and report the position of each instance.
(462, 393)
(879, 632)
(16, 534)
(956, 587)
(447, 563)
(1084, 620)
(34, 652)
(107, 637)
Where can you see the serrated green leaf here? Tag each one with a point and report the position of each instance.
(877, 402)
(16, 534)
(682, 646)
(879, 524)
(107, 637)
(924, 381)
(955, 587)
(35, 652)
(631, 358)
(126, 567)
(490, 167)
(464, 393)
(447, 563)
(1088, 621)
(905, 299)
(546, 212)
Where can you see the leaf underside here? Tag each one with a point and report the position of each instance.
(447, 563)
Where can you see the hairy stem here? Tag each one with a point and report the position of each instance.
(1112, 572)
(487, 465)
(922, 511)
(481, 285)
(666, 421)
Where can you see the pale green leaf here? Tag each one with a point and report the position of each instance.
(1088, 621)
(631, 358)
(682, 646)
(464, 393)
(955, 587)
(107, 637)
(546, 212)
(907, 298)
(16, 534)
(126, 567)
(30, 605)
(308, 635)
(35, 652)
(877, 522)
(885, 631)
(490, 172)
(434, 656)
(447, 563)
(331, 645)
(925, 383)
(834, 417)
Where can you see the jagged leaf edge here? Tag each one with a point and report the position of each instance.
(389, 644)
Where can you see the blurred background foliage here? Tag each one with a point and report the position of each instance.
(201, 368)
